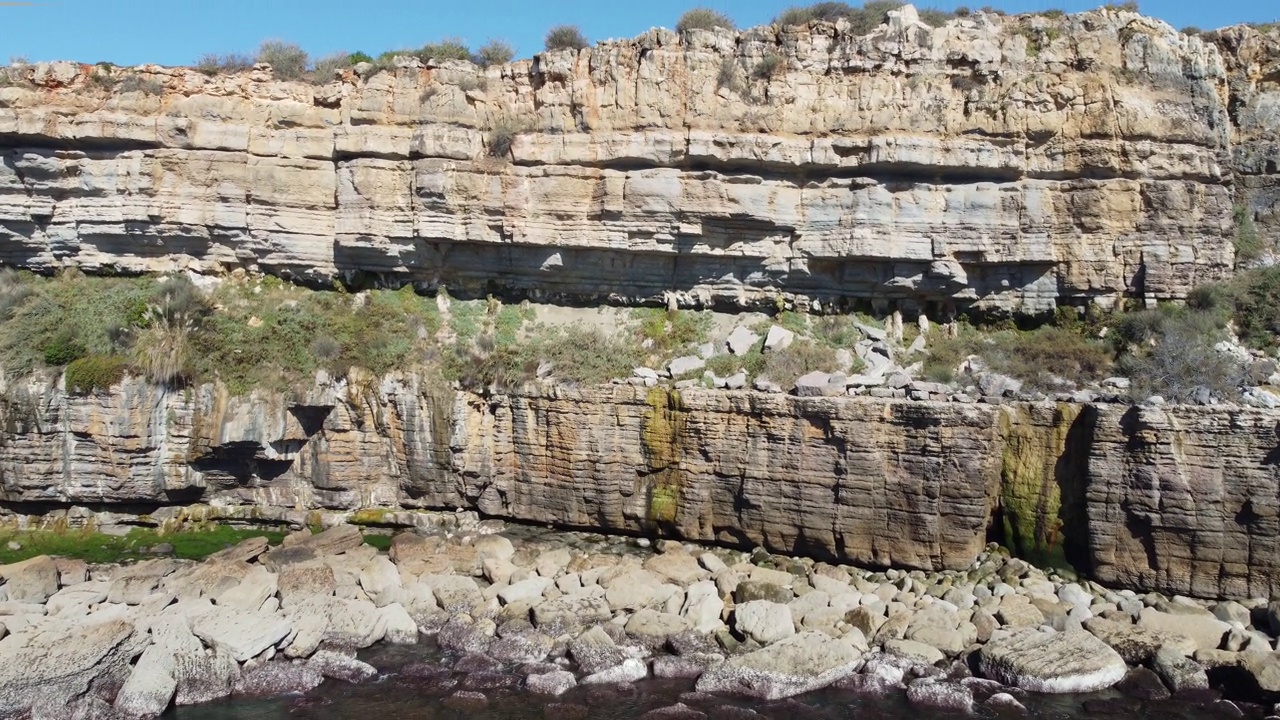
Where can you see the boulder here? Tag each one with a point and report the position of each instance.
(685, 365)
(151, 685)
(653, 628)
(778, 338)
(939, 694)
(252, 591)
(557, 682)
(629, 671)
(244, 551)
(1136, 644)
(273, 679)
(1205, 630)
(749, 590)
(341, 666)
(525, 590)
(763, 621)
(703, 607)
(798, 664)
(455, 593)
(32, 580)
(741, 341)
(47, 668)
(243, 635)
(379, 578)
(304, 581)
(401, 629)
(1051, 662)
(914, 650)
(569, 614)
(1178, 671)
(595, 651)
(677, 567)
(523, 647)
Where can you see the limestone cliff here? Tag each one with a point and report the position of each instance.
(1181, 499)
(1006, 164)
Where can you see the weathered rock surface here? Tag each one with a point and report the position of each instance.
(1051, 662)
(801, 663)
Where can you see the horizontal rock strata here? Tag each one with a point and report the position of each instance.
(1150, 497)
(1005, 164)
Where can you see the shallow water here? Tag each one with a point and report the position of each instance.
(395, 697)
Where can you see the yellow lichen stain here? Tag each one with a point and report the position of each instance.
(1030, 495)
(660, 439)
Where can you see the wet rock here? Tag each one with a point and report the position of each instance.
(277, 678)
(467, 701)
(341, 666)
(689, 667)
(554, 683)
(1006, 705)
(489, 681)
(629, 671)
(798, 664)
(679, 711)
(524, 647)
(1072, 661)
(940, 695)
(477, 662)
(1142, 684)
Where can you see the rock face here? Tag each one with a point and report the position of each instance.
(1004, 163)
(1124, 491)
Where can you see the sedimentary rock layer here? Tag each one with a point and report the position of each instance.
(1179, 499)
(1008, 164)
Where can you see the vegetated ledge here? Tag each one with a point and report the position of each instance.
(1102, 171)
(1150, 497)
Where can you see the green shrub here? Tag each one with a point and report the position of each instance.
(728, 75)
(669, 332)
(62, 349)
(1047, 358)
(1128, 6)
(1053, 13)
(227, 64)
(288, 61)
(94, 373)
(1191, 30)
(934, 17)
(800, 358)
(824, 11)
(446, 49)
(1174, 355)
(1251, 299)
(724, 365)
(769, 66)
(565, 37)
(358, 57)
(502, 137)
(704, 19)
(494, 52)
(139, 84)
(1248, 241)
(324, 69)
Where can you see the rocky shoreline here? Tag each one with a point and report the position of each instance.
(513, 608)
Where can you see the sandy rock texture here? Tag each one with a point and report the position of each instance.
(1009, 164)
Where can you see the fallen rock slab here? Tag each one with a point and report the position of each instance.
(1051, 662)
(799, 664)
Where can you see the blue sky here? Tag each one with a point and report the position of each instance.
(176, 32)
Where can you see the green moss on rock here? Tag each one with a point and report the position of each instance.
(660, 440)
(1031, 509)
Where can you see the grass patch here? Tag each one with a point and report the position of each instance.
(95, 547)
(670, 332)
(1047, 358)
